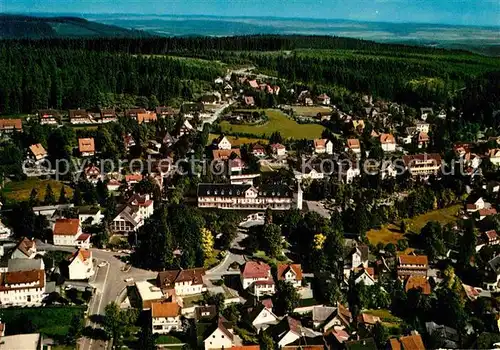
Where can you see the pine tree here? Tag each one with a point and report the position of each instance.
(49, 198)
(33, 197)
(77, 197)
(62, 196)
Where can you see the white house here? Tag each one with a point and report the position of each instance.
(68, 232)
(81, 266)
(309, 174)
(359, 256)
(22, 288)
(254, 271)
(25, 249)
(37, 153)
(221, 338)
(264, 287)
(475, 204)
(363, 275)
(91, 215)
(165, 317)
(183, 282)
(351, 173)
(422, 126)
(323, 146)
(133, 214)
(86, 146)
(278, 149)
(186, 128)
(388, 142)
(353, 145)
(291, 273)
(324, 99)
(223, 143)
(263, 316)
(494, 156)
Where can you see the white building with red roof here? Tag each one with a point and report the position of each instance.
(322, 146)
(254, 271)
(22, 288)
(165, 317)
(81, 266)
(132, 215)
(68, 232)
(291, 273)
(278, 149)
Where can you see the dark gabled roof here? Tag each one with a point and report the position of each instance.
(201, 310)
(275, 191)
(192, 107)
(364, 250)
(222, 190)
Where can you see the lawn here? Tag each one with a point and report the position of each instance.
(52, 322)
(167, 339)
(21, 190)
(309, 111)
(385, 316)
(391, 233)
(277, 122)
(237, 141)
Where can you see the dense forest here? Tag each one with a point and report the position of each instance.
(61, 78)
(64, 73)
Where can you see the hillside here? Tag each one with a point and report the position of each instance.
(27, 27)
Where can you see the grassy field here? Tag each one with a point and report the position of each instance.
(237, 141)
(391, 233)
(167, 339)
(385, 316)
(310, 111)
(21, 190)
(277, 122)
(52, 322)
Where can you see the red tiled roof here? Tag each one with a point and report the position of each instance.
(420, 283)
(82, 254)
(387, 138)
(323, 97)
(168, 309)
(133, 177)
(25, 245)
(427, 157)
(224, 154)
(170, 277)
(487, 212)
(395, 344)
(253, 83)
(423, 137)
(277, 146)
(413, 260)
(256, 269)
(246, 347)
(368, 319)
(268, 282)
(353, 143)
(267, 302)
(146, 117)
(412, 342)
(38, 150)
(11, 124)
(320, 143)
(66, 227)
(83, 237)
(283, 269)
(8, 279)
(491, 234)
(249, 100)
(86, 145)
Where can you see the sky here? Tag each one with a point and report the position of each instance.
(461, 12)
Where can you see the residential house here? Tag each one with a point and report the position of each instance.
(25, 249)
(353, 145)
(423, 164)
(128, 141)
(205, 313)
(68, 232)
(186, 128)
(165, 317)
(420, 283)
(108, 115)
(323, 146)
(165, 112)
(413, 342)
(249, 101)
(482, 213)
(134, 112)
(226, 154)
(221, 337)
(81, 265)
(228, 89)
(113, 185)
(48, 116)
(422, 126)
(365, 275)
(222, 142)
(22, 288)
(422, 139)
(132, 179)
(92, 174)
(258, 150)
(290, 330)
(412, 265)
(494, 156)
(132, 215)
(86, 147)
(254, 271)
(37, 153)
(184, 282)
(291, 273)
(244, 179)
(447, 337)
(359, 256)
(321, 315)
(262, 316)
(253, 84)
(244, 197)
(90, 215)
(491, 237)
(236, 165)
(168, 140)
(425, 112)
(309, 173)
(474, 203)
(278, 149)
(8, 126)
(80, 116)
(147, 117)
(358, 125)
(265, 287)
(324, 99)
(367, 320)
(388, 142)
(351, 172)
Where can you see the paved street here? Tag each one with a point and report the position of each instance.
(109, 282)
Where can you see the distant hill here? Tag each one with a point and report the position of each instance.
(28, 27)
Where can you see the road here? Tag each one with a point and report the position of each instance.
(216, 114)
(108, 281)
(235, 254)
